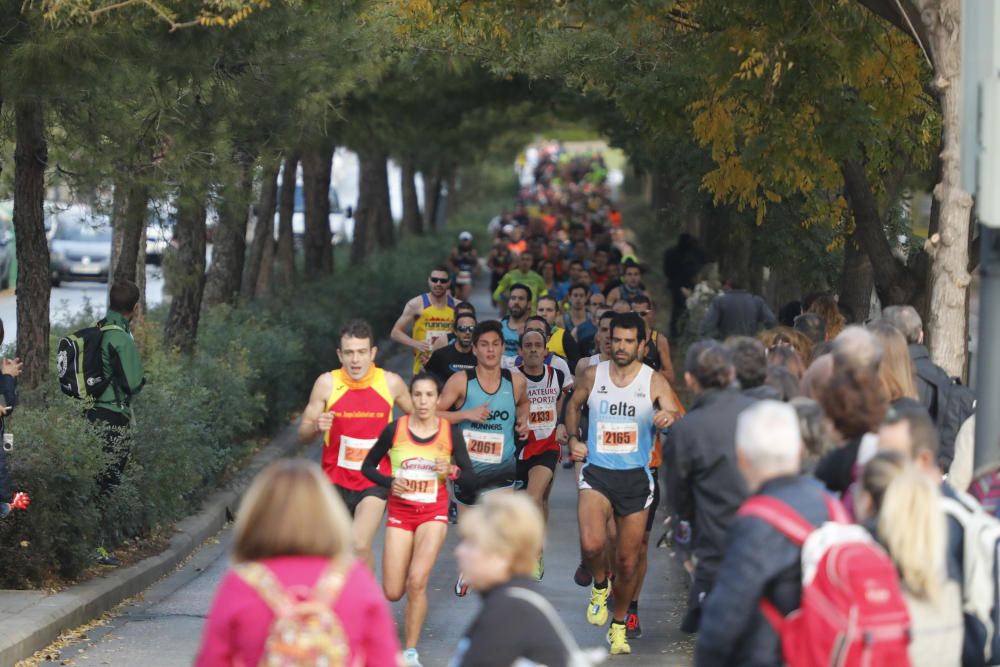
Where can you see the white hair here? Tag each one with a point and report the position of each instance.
(767, 433)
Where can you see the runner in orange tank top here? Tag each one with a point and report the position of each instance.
(351, 406)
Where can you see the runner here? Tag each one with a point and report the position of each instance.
(499, 262)
(457, 356)
(518, 310)
(431, 315)
(631, 285)
(561, 341)
(595, 306)
(577, 320)
(546, 387)
(523, 275)
(491, 405)
(657, 346)
(622, 395)
(602, 342)
(351, 406)
(536, 323)
(464, 264)
(420, 449)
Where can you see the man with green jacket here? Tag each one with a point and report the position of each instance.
(524, 275)
(112, 411)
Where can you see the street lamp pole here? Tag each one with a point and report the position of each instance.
(981, 175)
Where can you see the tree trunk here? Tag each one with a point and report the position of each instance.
(222, 284)
(185, 272)
(432, 198)
(451, 203)
(259, 268)
(857, 280)
(317, 242)
(894, 281)
(34, 286)
(373, 226)
(129, 229)
(286, 241)
(949, 248)
(140, 276)
(412, 222)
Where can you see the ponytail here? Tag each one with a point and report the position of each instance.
(912, 528)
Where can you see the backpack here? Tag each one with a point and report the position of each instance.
(305, 631)
(980, 586)
(959, 404)
(79, 366)
(852, 611)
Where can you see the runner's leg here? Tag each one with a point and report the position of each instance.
(367, 517)
(631, 530)
(427, 542)
(397, 554)
(593, 511)
(539, 483)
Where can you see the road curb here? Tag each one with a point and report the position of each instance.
(41, 623)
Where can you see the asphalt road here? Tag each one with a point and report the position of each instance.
(71, 299)
(163, 628)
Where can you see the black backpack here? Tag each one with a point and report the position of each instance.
(958, 405)
(79, 366)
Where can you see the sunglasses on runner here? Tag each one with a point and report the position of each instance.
(465, 329)
(440, 280)
(642, 313)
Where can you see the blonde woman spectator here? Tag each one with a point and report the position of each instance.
(902, 507)
(501, 540)
(291, 523)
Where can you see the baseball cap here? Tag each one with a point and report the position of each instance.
(465, 236)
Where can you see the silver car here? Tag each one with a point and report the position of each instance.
(81, 246)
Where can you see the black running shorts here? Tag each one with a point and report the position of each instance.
(353, 498)
(548, 459)
(628, 491)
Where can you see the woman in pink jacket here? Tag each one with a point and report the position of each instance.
(291, 534)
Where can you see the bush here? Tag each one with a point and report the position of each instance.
(253, 366)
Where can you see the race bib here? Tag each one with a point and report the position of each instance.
(486, 448)
(542, 420)
(421, 485)
(617, 437)
(353, 451)
(432, 336)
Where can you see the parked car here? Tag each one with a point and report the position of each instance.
(160, 221)
(81, 245)
(6, 242)
(341, 220)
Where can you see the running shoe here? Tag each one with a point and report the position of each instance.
(617, 639)
(411, 658)
(461, 588)
(597, 610)
(540, 568)
(582, 576)
(632, 628)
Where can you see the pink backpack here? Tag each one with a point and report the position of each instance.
(853, 612)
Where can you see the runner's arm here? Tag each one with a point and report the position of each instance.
(453, 394)
(502, 286)
(522, 405)
(477, 267)
(467, 477)
(400, 392)
(581, 392)
(369, 468)
(666, 363)
(404, 323)
(309, 426)
(662, 396)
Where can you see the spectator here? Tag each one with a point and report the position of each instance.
(962, 468)
(816, 376)
(703, 479)
(10, 369)
(817, 441)
(932, 380)
(681, 265)
(783, 385)
(112, 411)
(736, 312)
(902, 508)
(826, 307)
(788, 313)
(778, 337)
(811, 325)
(293, 529)
(786, 357)
(760, 562)
(501, 540)
(750, 363)
(896, 374)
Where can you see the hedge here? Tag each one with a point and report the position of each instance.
(196, 419)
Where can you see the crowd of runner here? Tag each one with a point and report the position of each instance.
(815, 484)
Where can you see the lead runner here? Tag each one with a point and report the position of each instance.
(626, 401)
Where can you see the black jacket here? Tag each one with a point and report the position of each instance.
(759, 562)
(930, 377)
(510, 626)
(705, 483)
(8, 390)
(736, 313)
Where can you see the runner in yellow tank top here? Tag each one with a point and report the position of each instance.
(430, 315)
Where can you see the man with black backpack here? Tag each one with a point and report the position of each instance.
(122, 371)
(948, 402)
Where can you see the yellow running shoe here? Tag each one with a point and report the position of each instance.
(617, 639)
(597, 610)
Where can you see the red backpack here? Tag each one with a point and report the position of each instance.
(853, 611)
